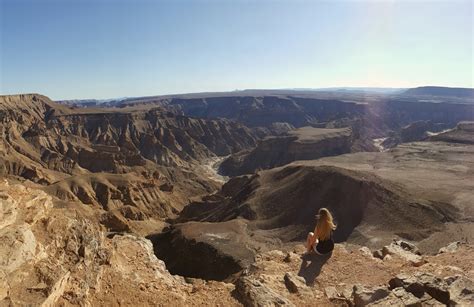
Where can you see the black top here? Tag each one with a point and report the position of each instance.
(326, 246)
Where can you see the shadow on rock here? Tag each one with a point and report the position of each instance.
(311, 266)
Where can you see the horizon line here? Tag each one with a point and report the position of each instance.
(243, 90)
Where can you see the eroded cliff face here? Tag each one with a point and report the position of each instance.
(111, 140)
(386, 119)
(265, 110)
(306, 143)
(146, 158)
(262, 109)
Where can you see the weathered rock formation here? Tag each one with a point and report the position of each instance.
(61, 256)
(147, 158)
(301, 144)
(352, 278)
(370, 116)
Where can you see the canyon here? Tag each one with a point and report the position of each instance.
(207, 198)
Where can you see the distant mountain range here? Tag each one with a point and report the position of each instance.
(334, 92)
(92, 102)
(441, 91)
(381, 90)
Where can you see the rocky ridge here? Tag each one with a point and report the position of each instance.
(353, 277)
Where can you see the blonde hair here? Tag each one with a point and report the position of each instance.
(325, 224)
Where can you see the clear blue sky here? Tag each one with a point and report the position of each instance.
(104, 48)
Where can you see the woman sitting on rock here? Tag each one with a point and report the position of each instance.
(320, 241)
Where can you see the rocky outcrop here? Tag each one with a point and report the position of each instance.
(364, 296)
(453, 290)
(302, 144)
(450, 248)
(422, 283)
(252, 293)
(352, 278)
(69, 260)
(295, 284)
(406, 250)
(44, 245)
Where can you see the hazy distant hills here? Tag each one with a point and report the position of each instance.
(441, 91)
(364, 94)
(92, 102)
(381, 90)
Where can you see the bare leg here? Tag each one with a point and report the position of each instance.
(309, 242)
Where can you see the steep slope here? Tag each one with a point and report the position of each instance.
(284, 201)
(147, 158)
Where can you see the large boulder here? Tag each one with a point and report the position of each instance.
(294, 283)
(401, 297)
(450, 248)
(364, 295)
(253, 293)
(461, 290)
(422, 283)
(422, 289)
(340, 296)
(114, 221)
(405, 250)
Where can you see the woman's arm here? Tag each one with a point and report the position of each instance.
(316, 232)
(314, 239)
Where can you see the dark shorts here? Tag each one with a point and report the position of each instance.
(324, 249)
